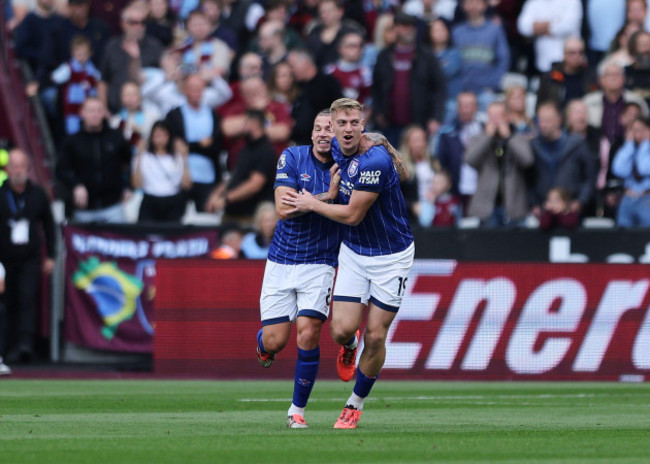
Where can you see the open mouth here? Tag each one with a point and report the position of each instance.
(347, 138)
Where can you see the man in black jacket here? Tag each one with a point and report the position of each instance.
(24, 214)
(409, 86)
(94, 164)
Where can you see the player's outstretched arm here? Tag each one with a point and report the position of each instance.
(286, 211)
(351, 214)
(371, 139)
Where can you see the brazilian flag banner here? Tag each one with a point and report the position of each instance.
(109, 284)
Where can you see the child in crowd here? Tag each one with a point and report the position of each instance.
(77, 79)
(443, 209)
(556, 213)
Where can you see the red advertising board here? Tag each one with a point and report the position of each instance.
(458, 321)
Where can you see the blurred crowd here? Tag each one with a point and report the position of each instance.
(508, 113)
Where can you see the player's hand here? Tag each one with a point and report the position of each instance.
(80, 196)
(301, 202)
(371, 139)
(335, 180)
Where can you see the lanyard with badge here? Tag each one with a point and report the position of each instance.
(19, 227)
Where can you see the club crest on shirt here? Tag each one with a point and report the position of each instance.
(282, 162)
(353, 168)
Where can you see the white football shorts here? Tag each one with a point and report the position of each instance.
(378, 279)
(292, 290)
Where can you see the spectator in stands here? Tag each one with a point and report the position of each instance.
(609, 188)
(135, 117)
(160, 169)
(517, 111)
(78, 22)
(605, 106)
(619, 51)
(430, 10)
(161, 22)
(604, 19)
(384, 36)
(77, 80)
(450, 62)
(501, 157)
(303, 16)
(557, 212)
(568, 79)
(94, 165)
(164, 87)
(577, 122)
(323, 39)
(549, 23)
(282, 86)
(415, 155)
(218, 30)
(33, 33)
(200, 128)
(278, 11)
(637, 13)
(408, 85)
(25, 215)
(253, 176)
(561, 160)
(249, 65)
(202, 54)
(271, 45)
(242, 17)
(637, 75)
(277, 126)
(229, 243)
(452, 142)
(355, 78)
(255, 244)
(632, 163)
(484, 50)
(442, 208)
(126, 56)
(317, 91)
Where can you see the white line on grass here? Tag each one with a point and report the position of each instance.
(440, 398)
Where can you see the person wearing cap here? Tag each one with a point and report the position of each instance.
(409, 86)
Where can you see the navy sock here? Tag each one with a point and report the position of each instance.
(259, 341)
(363, 384)
(305, 376)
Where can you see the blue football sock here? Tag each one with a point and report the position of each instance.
(305, 376)
(351, 342)
(259, 341)
(363, 384)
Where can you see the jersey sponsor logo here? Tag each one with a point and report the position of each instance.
(353, 168)
(305, 177)
(282, 175)
(282, 162)
(370, 177)
(346, 187)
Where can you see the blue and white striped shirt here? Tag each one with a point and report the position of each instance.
(385, 228)
(309, 238)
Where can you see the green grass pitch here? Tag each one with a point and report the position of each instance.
(155, 421)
